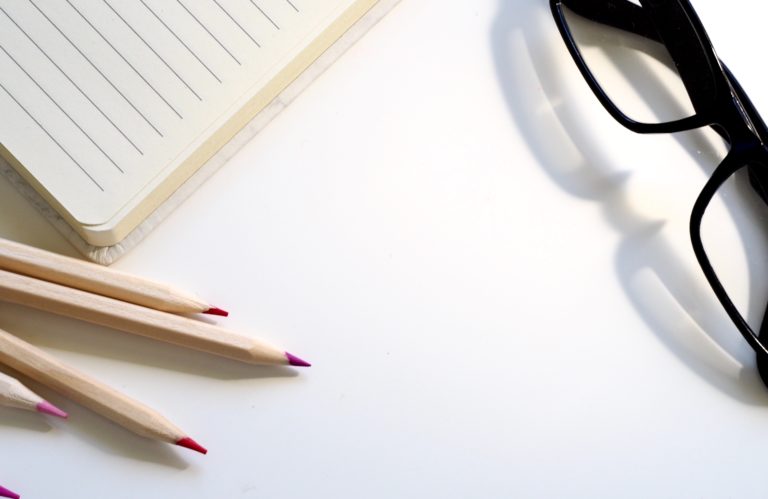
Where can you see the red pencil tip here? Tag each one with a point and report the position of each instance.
(191, 444)
(217, 311)
(295, 361)
(7, 493)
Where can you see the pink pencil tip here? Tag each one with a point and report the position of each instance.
(295, 361)
(7, 493)
(217, 311)
(48, 408)
(191, 444)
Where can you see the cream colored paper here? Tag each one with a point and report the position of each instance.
(110, 106)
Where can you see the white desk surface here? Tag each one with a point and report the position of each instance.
(492, 278)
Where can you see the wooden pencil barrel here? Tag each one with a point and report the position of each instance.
(135, 319)
(85, 390)
(40, 264)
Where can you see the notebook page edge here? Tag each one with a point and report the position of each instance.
(107, 255)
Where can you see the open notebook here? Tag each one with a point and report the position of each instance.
(107, 107)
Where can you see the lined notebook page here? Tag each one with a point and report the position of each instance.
(101, 100)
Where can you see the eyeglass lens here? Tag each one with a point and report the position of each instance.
(734, 232)
(637, 74)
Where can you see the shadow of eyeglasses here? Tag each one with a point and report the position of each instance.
(529, 56)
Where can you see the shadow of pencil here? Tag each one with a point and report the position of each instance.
(524, 39)
(113, 439)
(24, 420)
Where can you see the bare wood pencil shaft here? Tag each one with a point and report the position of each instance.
(14, 394)
(86, 391)
(87, 276)
(46, 296)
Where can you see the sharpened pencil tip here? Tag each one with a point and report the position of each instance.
(191, 444)
(295, 361)
(217, 311)
(52, 410)
(7, 493)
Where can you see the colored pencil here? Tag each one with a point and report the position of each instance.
(41, 264)
(7, 493)
(135, 319)
(14, 394)
(90, 393)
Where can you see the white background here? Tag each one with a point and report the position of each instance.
(492, 278)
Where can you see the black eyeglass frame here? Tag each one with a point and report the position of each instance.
(718, 100)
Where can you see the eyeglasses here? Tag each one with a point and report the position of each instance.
(671, 30)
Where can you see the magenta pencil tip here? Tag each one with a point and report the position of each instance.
(295, 361)
(48, 408)
(7, 493)
(191, 444)
(217, 311)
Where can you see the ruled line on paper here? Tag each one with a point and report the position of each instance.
(291, 4)
(178, 38)
(198, 21)
(52, 137)
(138, 73)
(91, 63)
(89, 72)
(265, 15)
(82, 92)
(175, 73)
(237, 23)
(69, 117)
